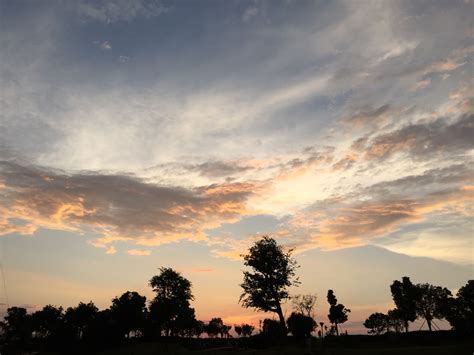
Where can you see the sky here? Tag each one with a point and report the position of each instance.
(139, 134)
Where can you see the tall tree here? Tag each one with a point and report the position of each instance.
(430, 302)
(338, 313)
(405, 296)
(128, 312)
(273, 272)
(170, 310)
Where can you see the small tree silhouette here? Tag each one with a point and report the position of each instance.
(338, 314)
(377, 323)
(247, 330)
(301, 325)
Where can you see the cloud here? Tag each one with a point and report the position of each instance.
(423, 140)
(421, 84)
(382, 209)
(119, 207)
(105, 45)
(137, 252)
(249, 13)
(109, 11)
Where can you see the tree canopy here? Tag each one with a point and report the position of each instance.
(170, 310)
(338, 313)
(272, 273)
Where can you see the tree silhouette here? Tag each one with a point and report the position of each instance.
(214, 327)
(273, 272)
(338, 314)
(304, 304)
(128, 313)
(247, 330)
(459, 311)
(170, 310)
(301, 325)
(238, 330)
(48, 321)
(81, 317)
(395, 320)
(377, 323)
(430, 302)
(405, 296)
(198, 329)
(17, 325)
(273, 329)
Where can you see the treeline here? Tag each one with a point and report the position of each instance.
(168, 314)
(427, 302)
(271, 271)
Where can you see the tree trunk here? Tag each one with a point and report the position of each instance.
(337, 329)
(406, 326)
(280, 315)
(429, 324)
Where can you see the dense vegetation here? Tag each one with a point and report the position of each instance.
(265, 286)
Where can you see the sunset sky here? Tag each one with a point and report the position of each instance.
(138, 134)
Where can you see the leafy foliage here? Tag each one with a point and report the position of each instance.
(430, 301)
(170, 310)
(301, 325)
(377, 323)
(405, 296)
(128, 312)
(273, 272)
(338, 313)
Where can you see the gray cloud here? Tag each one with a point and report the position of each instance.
(123, 10)
(117, 206)
(423, 140)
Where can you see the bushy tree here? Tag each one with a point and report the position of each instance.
(273, 272)
(17, 325)
(338, 313)
(170, 310)
(81, 317)
(377, 323)
(247, 330)
(301, 325)
(238, 329)
(430, 301)
(395, 320)
(459, 311)
(48, 321)
(273, 329)
(128, 313)
(214, 327)
(405, 296)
